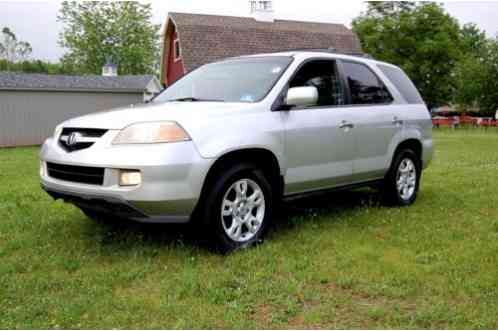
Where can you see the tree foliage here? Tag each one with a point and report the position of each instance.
(14, 56)
(422, 39)
(472, 39)
(121, 30)
(476, 73)
(37, 66)
(13, 50)
(385, 8)
(477, 79)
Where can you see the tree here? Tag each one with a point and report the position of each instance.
(97, 30)
(14, 56)
(422, 39)
(475, 73)
(471, 70)
(384, 8)
(37, 66)
(11, 49)
(473, 40)
(488, 94)
(468, 77)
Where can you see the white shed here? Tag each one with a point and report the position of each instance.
(31, 105)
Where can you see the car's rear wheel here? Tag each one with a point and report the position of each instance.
(401, 184)
(238, 207)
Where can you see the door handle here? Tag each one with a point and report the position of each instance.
(397, 121)
(345, 124)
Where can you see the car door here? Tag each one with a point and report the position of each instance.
(375, 118)
(319, 143)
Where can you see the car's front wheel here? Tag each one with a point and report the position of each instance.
(238, 207)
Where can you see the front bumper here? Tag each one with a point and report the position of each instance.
(172, 178)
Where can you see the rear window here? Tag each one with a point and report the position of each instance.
(404, 85)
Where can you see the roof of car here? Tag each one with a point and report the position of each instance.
(315, 53)
(361, 57)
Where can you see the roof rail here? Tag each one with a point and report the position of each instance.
(329, 50)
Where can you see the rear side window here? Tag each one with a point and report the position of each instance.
(365, 87)
(402, 83)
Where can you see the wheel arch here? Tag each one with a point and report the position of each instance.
(263, 158)
(413, 144)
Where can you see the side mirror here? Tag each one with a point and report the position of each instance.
(301, 96)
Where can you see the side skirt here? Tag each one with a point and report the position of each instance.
(296, 196)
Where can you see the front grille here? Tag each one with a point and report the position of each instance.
(77, 174)
(96, 133)
(84, 138)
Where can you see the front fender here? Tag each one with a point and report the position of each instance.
(220, 136)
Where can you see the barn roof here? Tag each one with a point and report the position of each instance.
(207, 38)
(90, 83)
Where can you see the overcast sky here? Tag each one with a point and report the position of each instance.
(36, 21)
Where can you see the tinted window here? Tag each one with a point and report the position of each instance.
(364, 85)
(239, 80)
(323, 75)
(402, 83)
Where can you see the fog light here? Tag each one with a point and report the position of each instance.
(42, 169)
(130, 178)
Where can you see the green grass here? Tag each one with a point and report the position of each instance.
(341, 261)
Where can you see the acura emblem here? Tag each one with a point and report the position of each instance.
(73, 138)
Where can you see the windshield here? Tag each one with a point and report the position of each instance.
(238, 80)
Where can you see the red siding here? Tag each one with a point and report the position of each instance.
(175, 68)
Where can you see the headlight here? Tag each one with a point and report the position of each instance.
(57, 131)
(150, 133)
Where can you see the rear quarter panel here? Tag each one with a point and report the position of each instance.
(418, 125)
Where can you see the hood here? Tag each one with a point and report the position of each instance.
(119, 118)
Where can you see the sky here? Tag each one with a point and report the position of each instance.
(36, 21)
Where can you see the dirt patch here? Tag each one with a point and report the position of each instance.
(357, 303)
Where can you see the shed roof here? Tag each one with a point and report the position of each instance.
(207, 38)
(90, 83)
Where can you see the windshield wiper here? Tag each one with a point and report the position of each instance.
(192, 99)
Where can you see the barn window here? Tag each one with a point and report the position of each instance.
(177, 50)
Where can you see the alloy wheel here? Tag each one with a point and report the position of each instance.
(243, 210)
(406, 179)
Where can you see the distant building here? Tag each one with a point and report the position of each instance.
(109, 69)
(31, 105)
(191, 40)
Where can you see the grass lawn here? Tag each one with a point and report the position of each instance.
(339, 261)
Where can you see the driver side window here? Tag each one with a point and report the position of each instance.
(323, 75)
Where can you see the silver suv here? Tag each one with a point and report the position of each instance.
(226, 142)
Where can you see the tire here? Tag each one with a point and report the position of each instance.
(402, 182)
(237, 208)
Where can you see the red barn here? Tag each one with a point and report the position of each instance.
(191, 40)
